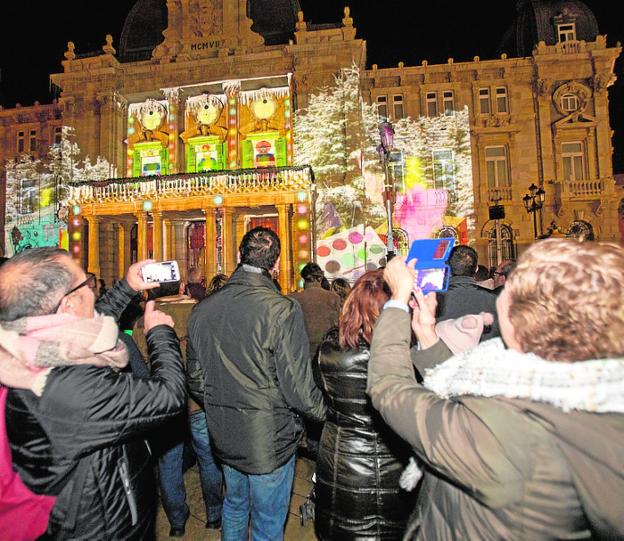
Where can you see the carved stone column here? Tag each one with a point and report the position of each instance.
(210, 252)
(168, 252)
(141, 236)
(227, 241)
(157, 236)
(123, 248)
(93, 264)
(285, 255)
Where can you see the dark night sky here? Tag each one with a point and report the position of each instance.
(35, 33)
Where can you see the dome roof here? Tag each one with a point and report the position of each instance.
(142, 31)
(537, 21)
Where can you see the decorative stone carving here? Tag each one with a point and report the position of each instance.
(582, 92)
(70, 53)
(108, 46)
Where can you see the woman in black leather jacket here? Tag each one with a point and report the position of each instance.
(360, 459)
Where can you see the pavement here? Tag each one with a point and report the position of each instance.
(195, 526)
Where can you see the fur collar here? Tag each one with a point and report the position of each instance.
(492, 370)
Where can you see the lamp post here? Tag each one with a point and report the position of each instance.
(533, 202)
(386, 134)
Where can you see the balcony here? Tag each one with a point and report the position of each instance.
(245, 181)
(500, 193)
(583, 189)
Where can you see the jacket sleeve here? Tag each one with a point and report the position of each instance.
(194, 374)
(115, 299)
(445, 433)
(85, 408)
(293, 365)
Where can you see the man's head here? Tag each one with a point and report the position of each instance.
(564, 301)
(260, 247)
(463, 261)
(194, 276)
(312, 273)
(43, 281)
(502, 272)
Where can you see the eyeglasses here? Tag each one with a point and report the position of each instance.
(91, 282)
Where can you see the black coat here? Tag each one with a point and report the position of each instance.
(249, 364)
(465, 296)
(98, 415)
(360, 459)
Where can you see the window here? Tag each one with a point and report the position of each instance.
(382, 107)
(506, 245)
(501, 99)
(32, 141)
(573, 161)
(484, 101)
(58, 135)
(566, 32)
(497, 166)
(21, 138)
(569, 103)
(432, 104)
(448, 102)
(397, 107)
(28, 197)
(443, 170)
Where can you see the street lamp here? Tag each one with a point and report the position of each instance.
(533, 202)
(386, 134)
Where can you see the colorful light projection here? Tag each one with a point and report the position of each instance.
(232, 134)
(151, 138)
(303, 240)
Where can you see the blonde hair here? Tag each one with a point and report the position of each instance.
(567, 300)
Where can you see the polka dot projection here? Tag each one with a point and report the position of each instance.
(351, 253)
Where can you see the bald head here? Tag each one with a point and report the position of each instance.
(33, 282)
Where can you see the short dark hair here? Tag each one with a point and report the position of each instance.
(482, 273)
(260, 247)
(463, 261)
(33, 282)
(217, 282)
(311, 272)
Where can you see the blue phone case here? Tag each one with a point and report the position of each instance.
(431, 256)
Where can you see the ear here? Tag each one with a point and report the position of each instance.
(68, 305)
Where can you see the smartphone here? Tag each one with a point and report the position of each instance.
(165, 271)
(432, 271)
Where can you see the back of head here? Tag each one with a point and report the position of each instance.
(217, 282)
(194, 275)
(311, 272)
(341, 287)
(260, 248)
(33, 282)
(463, 261)
(482, 273)
(362, 308)
(566, 300)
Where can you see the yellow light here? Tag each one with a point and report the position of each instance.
(76, 235)
(303, 224)
(303, 254)
(413, 173)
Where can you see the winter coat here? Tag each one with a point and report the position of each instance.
(503, 458)
(98, 415)
(465, 296)
(321, 310)
(248, 362)
(360, 458)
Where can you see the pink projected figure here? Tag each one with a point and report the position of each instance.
(420, 211)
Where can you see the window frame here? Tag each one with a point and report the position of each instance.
(501, 96)
(382, 101)
(567, 31)
(497, 161)
(568, 96)
(21, 141)
(32, 140)
(397, 101)
(431, 101)
(448, 96)
(485, 98)
(572, 158)
(446, 176)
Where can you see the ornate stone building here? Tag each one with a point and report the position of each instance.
(202, 93)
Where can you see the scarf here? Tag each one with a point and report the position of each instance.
(31, 347)
(490, 369)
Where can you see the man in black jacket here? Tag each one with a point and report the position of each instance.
(464, 295)
(80, 437)
(249, 363)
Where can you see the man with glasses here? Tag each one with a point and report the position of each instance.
(76, 423)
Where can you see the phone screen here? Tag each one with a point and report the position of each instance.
(167, 271)
(431, 279)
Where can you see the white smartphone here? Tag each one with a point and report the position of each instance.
(165, 271)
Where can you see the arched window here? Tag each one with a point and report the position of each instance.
(581, 230)
(446, 232)
(506, 246)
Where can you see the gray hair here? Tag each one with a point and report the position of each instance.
(33, 282)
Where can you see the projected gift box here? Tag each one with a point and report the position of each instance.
(349, 254)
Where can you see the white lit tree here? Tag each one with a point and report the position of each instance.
(36, 189)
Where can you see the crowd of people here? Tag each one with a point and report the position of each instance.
(492, 410)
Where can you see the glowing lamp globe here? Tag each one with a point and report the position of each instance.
(209, 111)
(76, 210)
(147, 206)
(218, 200)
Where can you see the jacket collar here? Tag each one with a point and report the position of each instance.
(310, 285)
(492, 370)
(462, 280)
(252, 276)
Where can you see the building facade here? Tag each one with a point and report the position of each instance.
(198, 130)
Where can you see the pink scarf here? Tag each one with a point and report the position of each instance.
(30, 347)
